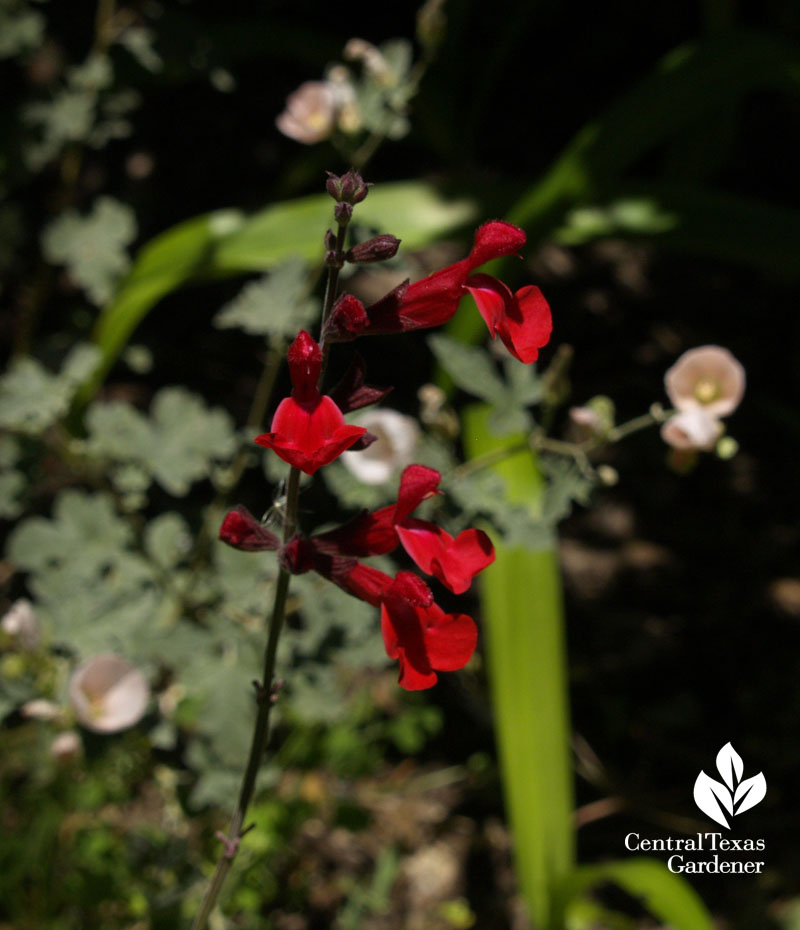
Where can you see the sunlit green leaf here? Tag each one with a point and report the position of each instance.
(667, 896)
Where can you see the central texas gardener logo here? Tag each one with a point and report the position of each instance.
(736, 795)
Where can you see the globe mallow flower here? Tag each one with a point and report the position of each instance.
(311, 112)
(308, 429)
(108, 694)
(707, 378)
(396, 437)
(692, 430)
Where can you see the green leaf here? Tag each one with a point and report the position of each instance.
(702, 221)
(470, 368)
(167, 540)
(688, 89)
(32, 399)
(163, 265)
(92, 590)
(20, 29)
(68, 117)
(12, 484)
(85, 530)
(414, 212)
(524, 621)
(177, 444)
(665, 895)
(139, 41)
(277, 305)
(93, 247)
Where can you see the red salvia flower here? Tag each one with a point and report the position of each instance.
(522, 320)
(424, 640)
(308, 429)
(433, 300)
(454, 561)
(416, 631)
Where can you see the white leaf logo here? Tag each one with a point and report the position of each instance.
(734, 796)
(729, 765)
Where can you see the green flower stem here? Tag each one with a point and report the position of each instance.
(264, 698)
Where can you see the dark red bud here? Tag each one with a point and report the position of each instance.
(297, 556)
(241, 530)
(379, 249)
(349, 188)
(343, 213)
(330, 240)
(334, 259)
(348, 318)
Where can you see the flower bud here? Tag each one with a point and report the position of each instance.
(343, 212)
(350, 188)
(21, 624)
(66, 746)
(378, 249)
(347, 320)
(241, 530)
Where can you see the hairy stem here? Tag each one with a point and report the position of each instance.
(265, 689)
(264, 700)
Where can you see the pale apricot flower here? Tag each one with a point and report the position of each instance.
(21, 624)
(40, 709)
(311, 112)
(397, 437)
(707, 378)
(691, 430)
(66, 746)
(108, 694)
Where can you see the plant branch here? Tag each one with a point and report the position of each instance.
(264, 698)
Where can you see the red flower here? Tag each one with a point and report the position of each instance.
(416, 631)
(308, 429)
(455, 562)
(425, 640)
(522, 320)
(433, 300)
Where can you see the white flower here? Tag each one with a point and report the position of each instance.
(108, 694)
(21, 623)
(707, 378)
(691, 429)
(311, 111)
(40, 709)
(394, 448)
(66, 746)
